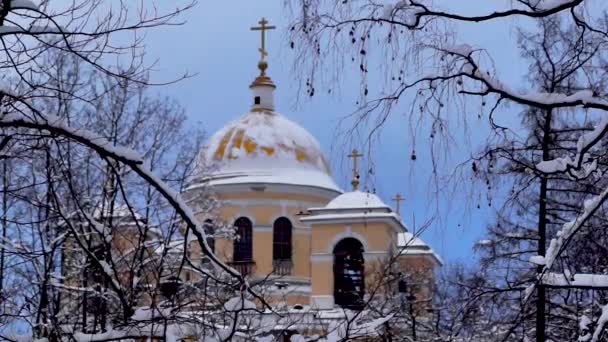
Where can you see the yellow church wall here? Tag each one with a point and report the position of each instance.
(378, 236)
(301, 254)
(275, 205)
(322, 273)
(262, 252)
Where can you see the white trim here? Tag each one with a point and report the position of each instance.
(367, 256)
(269, 202)
(348, 233)
(395, 224)
(291, 290)
(375, 255)
(321, 257)
(262, 228)
(302, 230)
(243, 212)
(275, 217)
(269, 187)
(322, 302)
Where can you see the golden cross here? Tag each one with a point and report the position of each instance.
(263, 28)
(398, 199)
(355, 181)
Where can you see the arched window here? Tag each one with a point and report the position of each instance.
(210, 233)
(281, 246)
(349, 285)
(242, 245)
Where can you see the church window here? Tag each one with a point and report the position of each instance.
(209, 229)
(349, 286)
(257, 100)
(243, 243)
(281, 246)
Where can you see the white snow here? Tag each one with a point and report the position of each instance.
(264, 147)
(410, 244)
(356, 200)
(537, 259)
(484, 242)
(601, 324)
(239, 303)
(584, 143)
(577, 280)
(288, 176)
(23, 4)
(34, 29)
(462, 49)
(402, 11)
(131, 159)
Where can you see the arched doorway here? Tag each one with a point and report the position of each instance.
(349, 280)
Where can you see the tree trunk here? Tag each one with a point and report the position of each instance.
(542, 231)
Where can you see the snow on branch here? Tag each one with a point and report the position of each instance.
(22, 4)
(492, 85)
(563, 237)
(126, 156)
(578, 167)
(562, 280)
(416, 10)
(601, 324)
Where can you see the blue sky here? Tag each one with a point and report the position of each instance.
(215, 44)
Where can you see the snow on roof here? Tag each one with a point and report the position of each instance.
(355, 200)
(264, 147)
(287, 176)
(410, 244)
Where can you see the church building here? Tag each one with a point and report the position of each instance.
(317, 245)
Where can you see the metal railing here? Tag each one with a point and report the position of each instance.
(282, 267)
(244, 267)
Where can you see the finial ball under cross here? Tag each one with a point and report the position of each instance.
(263, 53)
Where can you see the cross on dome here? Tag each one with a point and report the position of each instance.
(354, 155)
(262, 87)
(262, 65)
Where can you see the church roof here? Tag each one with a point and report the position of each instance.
(356, 200)
(410, 244)
(265, 147)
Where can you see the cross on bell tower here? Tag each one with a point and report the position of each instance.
(355, 181)
(398, 199)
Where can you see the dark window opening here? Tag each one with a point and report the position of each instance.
(349, 281)
(281, 246)
(257, 100)
(209, 229)
(242, 256)
(243, 242)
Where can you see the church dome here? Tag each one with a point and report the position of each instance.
(266, 147)
(357, 200)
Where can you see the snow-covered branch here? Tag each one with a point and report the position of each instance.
(127, 157)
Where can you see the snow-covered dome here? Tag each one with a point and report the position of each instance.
(266, 147)
(356, 200)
